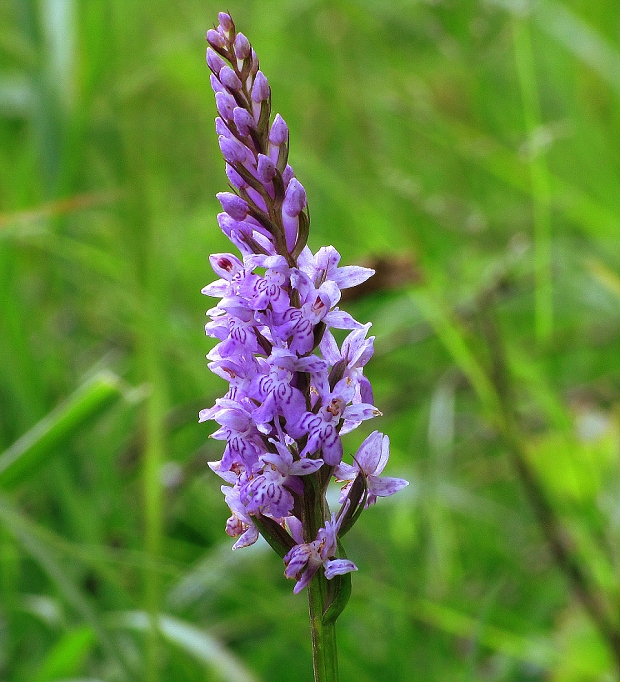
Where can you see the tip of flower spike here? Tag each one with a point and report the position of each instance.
(226, 21)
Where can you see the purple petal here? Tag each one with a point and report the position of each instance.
(296, 560)
(216, 289)
(265, 169)
(305, 466)
(341, 320)
(296, 528)
(352, 275)
(248, 538)
(232, 150)
(225, 264)
(332, 449)
(235, 179)
(215, 39)
(385, 486)
(226, 21)
(329, 348)
(335, 567)
(345, 472)
(369, 453)
(361, 411)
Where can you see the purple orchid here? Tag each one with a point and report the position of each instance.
(304, 560)
(293, 392)
(370, 460)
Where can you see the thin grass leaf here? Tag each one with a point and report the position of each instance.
(68, 654)
(537, 650)
(450, 333)
(29, 536)
(26, 456)
(605, 275)
(196, 642)
(539, 175)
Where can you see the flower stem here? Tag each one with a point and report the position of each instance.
(324, 645)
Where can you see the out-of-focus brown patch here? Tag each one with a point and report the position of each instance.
(392, 272)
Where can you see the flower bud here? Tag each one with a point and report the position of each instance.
(225, 104)
(287, 175)
(215, 39)
(216, 85)
(232, 150)
(279, 131)
(242, 46)
(235, 179)
(254, 67)
(214, 60)
(221, 128)
(235, 206)
(295, 198)
(266, 169)
(226, 21)
(260, 89)
(243, 120)
(229, 78)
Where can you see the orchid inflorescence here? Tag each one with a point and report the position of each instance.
(293, 391)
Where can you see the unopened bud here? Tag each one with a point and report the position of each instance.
(235, 179)
(221, 128)
(226, 21)
(232, 150)
(229, 78)
(295, 198)
(214, 60)
(242, 46)
(235, 206)
(266, 169)
(287, 175)
(279, 131)
(260, 89)
(243, 120)
(215, 39)
(225, 104)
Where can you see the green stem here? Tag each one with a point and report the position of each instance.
(324, 645)
(539, 176)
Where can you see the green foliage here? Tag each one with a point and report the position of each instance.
(469, 150)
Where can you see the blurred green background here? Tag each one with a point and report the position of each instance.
(469, 150)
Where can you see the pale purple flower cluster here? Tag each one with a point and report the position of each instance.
(293, 391)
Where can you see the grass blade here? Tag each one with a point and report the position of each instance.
(28, 453)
